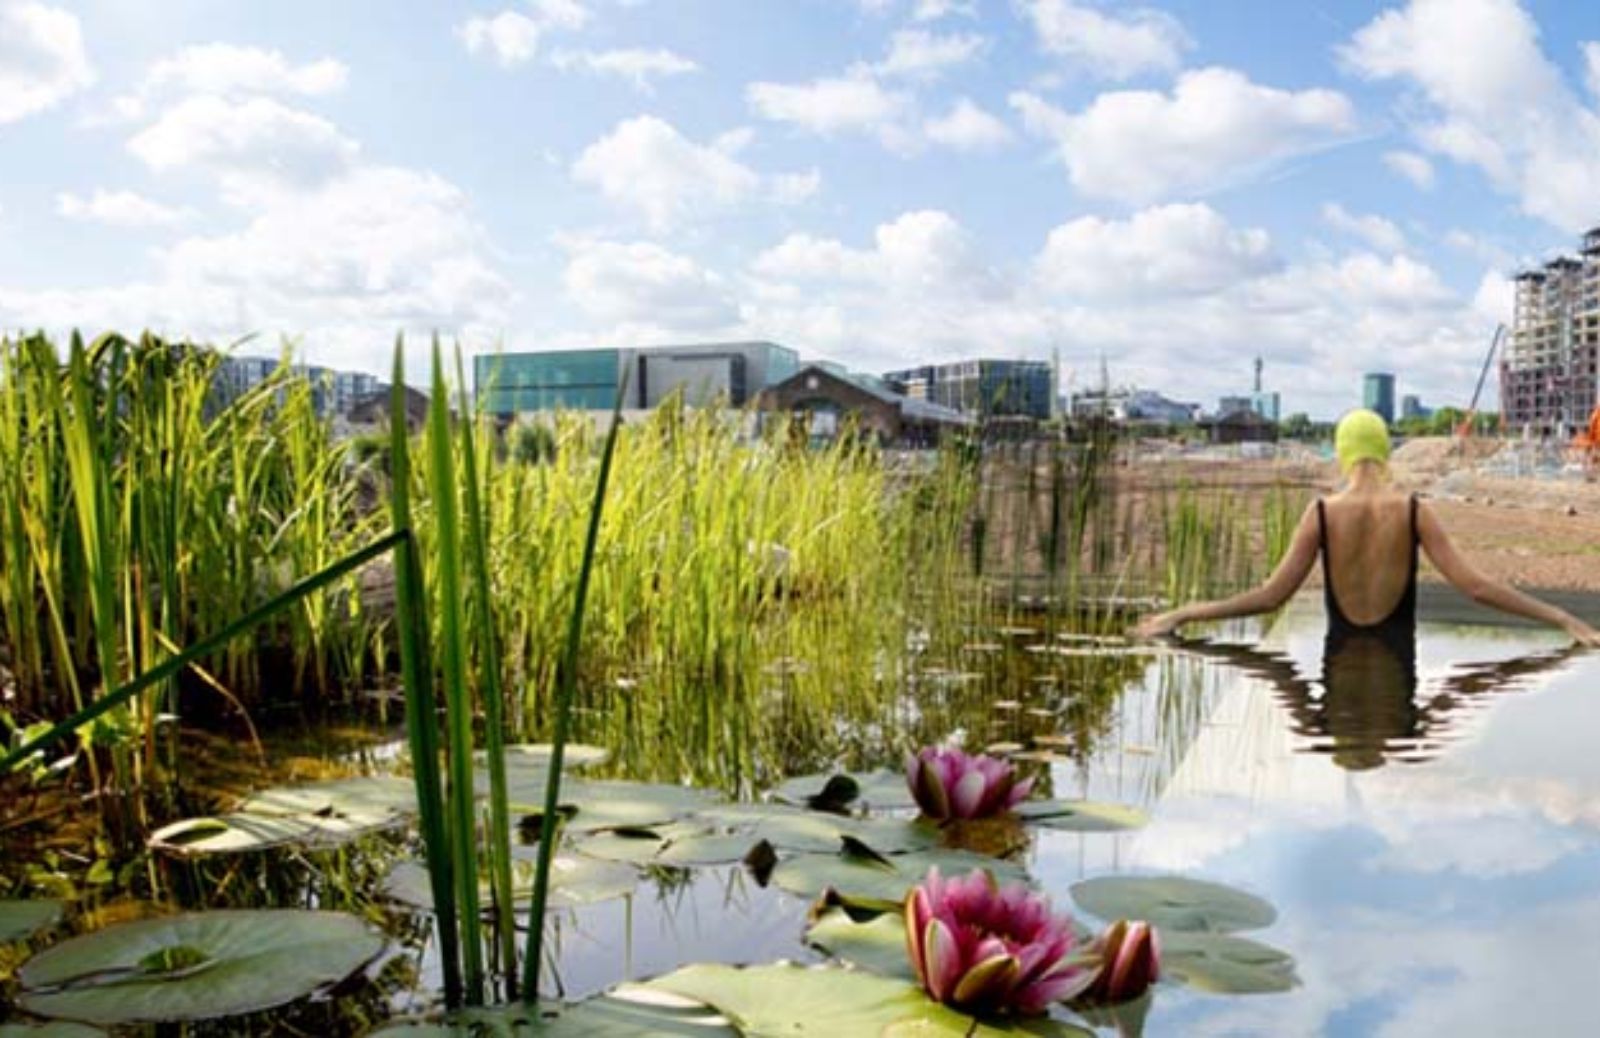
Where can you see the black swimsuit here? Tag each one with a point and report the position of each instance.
(1401, 623)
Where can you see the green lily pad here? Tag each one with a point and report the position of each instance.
(574, 880)
(888, 880)
(237, 833)
(877, 944)
(1224, 964)
(796, 829)
(880, 790)
(1084, 816)
(22, 918)
(796, 1000)
(537, 755)
(618, 1015)
(50, 1029)
(148, 971)
(613, 804)
(1173, 903)
(373, 796)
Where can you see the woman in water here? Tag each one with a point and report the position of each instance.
(1369, 536)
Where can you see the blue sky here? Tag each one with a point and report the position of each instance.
(1176, 188)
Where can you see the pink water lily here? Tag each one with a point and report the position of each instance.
(1130, 955)
(982, 948)
(947, 783)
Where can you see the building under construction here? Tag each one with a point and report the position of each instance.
(1547, 376)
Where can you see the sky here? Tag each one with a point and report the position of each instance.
(1161, 192)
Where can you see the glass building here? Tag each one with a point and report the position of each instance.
(989, 388)
(1377, 394)
(588, 380)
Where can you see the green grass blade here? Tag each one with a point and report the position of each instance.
(463, 816)
(422, 711)
(558, 741)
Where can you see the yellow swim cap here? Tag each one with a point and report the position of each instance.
(1361, 436)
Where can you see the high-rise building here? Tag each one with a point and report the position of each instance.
(1377, 394)
(588, 379)
(984, 388)
(332, 392)
(1547, 373)
(1411, 407)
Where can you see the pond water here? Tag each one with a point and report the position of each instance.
(1426, 824)
(1433, 852)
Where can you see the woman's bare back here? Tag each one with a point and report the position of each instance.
(1370, 542)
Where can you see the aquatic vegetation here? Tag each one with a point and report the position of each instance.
(950, 784)
(986, 949)
(195, 967)
(1130, 957)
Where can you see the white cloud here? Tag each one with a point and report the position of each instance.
(343, 266)
(227, 70)
(42, 58)
(933, 10)
(256, 145)
(1379, 233)
(1141, 40)
(852, 103)
(922, 252)
(119, 209)
(920, 54)
(1214, 130)
(1164, 251)
(1412, 166)
(643, 285)
(511, 37)
(1492, 100)
(794, 188)
(646, 165)
(966, 127)
(636, 65)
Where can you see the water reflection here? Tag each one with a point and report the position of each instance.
(1364, 708)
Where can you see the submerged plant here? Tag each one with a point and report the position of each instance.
(1130, 954)
(949, 784)
(983, 948)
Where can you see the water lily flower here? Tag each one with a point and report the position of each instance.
(1130, 955)
(982, 948)
(947, 783)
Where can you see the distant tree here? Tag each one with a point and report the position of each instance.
(1297, 426)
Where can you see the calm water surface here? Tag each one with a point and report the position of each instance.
(1433, 851)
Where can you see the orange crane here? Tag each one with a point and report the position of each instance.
(1464, 428)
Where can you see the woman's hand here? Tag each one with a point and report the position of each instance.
(1159, 624)
(1583, 634)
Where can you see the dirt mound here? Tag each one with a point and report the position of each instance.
(1433, 456)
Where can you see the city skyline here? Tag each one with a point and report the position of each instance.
(1177, 188)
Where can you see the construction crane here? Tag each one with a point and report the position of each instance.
(1464, 430)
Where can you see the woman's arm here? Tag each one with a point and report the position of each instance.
(1284, 582)
(1488, 591)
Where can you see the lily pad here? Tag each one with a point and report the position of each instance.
(197, 966)
(1224, 964)
(796, 829)
(612, 804)
(797, 1000)
(880, 790)
(574, 880)
(877, 944)
(1083, 816)
(618, 1015)
(537, 755)
(238, 833)
(887, 879)
(22, 918)
(1173, 903)
(369, 797)
(50, 1029)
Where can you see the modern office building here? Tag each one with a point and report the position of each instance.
(589, 379)
(1377, 394)
(1411, 407)
(333, 392)
(1547, 374)
(1234, 404)
(1267, 404)
(982, 388)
